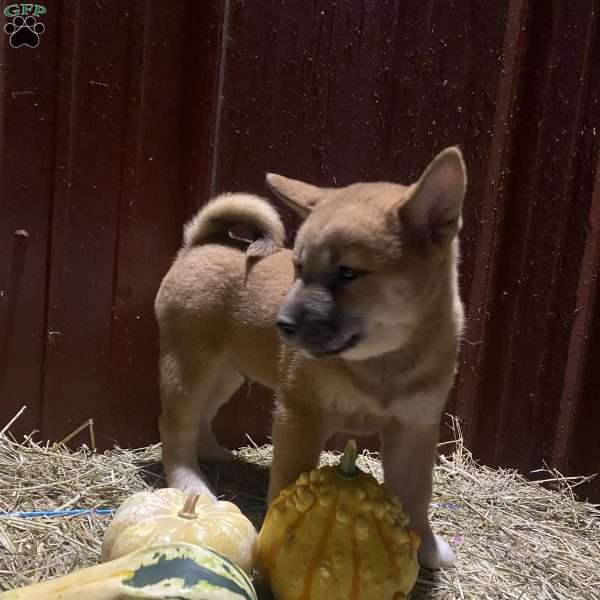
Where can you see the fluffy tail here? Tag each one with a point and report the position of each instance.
(214, 222)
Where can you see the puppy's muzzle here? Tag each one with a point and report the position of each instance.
(308, 312)
(305, 327)
(308, 319)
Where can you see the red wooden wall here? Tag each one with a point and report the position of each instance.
(127, 116)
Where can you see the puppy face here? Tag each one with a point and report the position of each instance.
(368, 258)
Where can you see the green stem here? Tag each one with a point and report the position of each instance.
(348, 463)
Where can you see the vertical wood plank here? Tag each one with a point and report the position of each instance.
(522, 361)
(490, 212)
(166, 170)
(131, 166)
(27, 147)
(87, 179)
(576, 444)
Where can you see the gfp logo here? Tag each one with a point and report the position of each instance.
(24, 29)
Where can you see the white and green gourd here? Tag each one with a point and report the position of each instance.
(182, 571)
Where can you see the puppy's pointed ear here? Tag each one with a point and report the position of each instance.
(299, 196)
(433, 210)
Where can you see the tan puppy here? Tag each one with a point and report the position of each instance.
(367, 306)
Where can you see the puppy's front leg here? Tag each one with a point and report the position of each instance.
(298, 438)
(408, 456)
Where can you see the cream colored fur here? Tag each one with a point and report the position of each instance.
(369, 306)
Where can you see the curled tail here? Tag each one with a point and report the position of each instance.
(214, 222)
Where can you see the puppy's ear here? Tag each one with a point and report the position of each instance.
(433, 210)
(299, 196)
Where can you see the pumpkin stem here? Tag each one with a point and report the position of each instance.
(189, 507)
(348, 466)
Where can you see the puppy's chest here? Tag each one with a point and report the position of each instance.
(374, 393)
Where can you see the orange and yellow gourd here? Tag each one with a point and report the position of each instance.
(337, 534)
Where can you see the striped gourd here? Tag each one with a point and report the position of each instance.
(337, 534)
(181, 571)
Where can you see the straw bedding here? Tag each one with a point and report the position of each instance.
(514, 538)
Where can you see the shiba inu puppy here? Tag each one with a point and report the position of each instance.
(356, 329)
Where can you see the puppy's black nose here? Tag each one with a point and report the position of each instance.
(286, 325)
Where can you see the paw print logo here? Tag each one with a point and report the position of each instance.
(24, 31)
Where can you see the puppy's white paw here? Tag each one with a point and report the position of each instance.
(435, 553)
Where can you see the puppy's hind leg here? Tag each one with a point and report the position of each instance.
(208, 449)
(187, 378)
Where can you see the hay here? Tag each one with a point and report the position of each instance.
(514, 538)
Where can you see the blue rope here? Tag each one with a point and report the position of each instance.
(57, 513)
(109, 511)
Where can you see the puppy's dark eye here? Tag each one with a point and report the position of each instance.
(346, 273)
